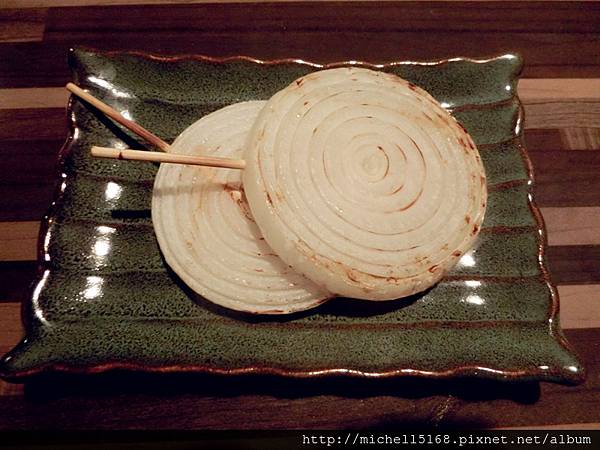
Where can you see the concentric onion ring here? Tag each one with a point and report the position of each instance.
(205, 229)
(362, 182)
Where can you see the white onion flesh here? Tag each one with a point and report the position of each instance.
(363, 183)
(206, 232)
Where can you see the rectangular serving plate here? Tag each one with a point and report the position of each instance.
(105, 299)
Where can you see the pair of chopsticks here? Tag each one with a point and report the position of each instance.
(137, 155)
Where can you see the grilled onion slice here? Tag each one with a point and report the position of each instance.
(362, 182)
(206, 232)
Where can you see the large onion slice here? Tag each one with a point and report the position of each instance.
(205, 229)
(362, 182)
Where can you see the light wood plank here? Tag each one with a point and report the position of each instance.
(580, 138)
(579, 306)
(11, 332)
(18, 241)
(540, 90)
(562, 114)
(572, 226)
(33, 98)
(560, 103)
(11, 329)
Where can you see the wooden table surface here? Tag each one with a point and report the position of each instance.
(560, 43)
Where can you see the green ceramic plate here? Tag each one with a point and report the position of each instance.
(105, 299)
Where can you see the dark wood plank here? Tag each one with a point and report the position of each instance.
(28, 202)
(186, 401)
(537, 140)
(28, 167)
(574, 264)
(558, 40)
(36, 123)
(29, 161)
(21, 63)
(15, 279)
(29, 143)
(499, 16)
(566, 178)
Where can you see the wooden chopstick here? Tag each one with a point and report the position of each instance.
(104, 152)
(137, 155)
(118, 117)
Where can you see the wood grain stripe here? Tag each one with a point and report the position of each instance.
(551, 103)
(579, 306)
(15, 279)
(542, 98)
(541, 140)
(581, 138)
(10, 325)
(562, 113)
(569, 265)
(320, 32)
(34, 98)
(572, 226)
(27, 194)
(562, 139)
(16, 124)
(80, 3)
(543, 90)
(32, 137)
(19, 25)
(64, 3)
(566, 178)
(26, 162)
(494, 18)
(565, 227)
(574, 264)
(11, 332)
(18, 241)
(26, 202)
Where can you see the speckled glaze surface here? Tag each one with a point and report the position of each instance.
(104, 297)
